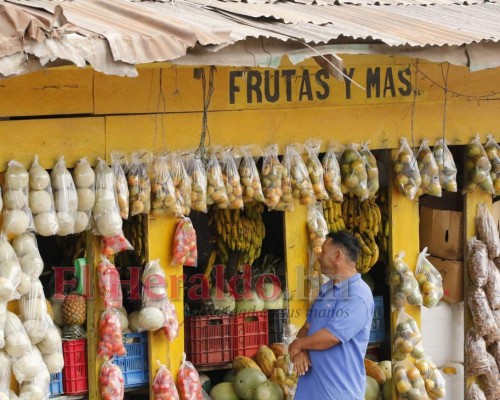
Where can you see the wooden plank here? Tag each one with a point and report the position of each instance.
(50, 138)
(160, 237)
(297, 263)
(49, 92)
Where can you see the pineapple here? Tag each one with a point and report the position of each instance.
(49, 309)
(73, 332)
(74, 309)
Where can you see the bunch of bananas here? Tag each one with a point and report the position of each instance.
(383, 234)
(135, 230)
(239, 230)
(332, 211)
(363, 219)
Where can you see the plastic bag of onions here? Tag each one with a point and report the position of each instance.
(41, 200)
(65, 198)
(84, 178)
(106, 212)
(26, 248)
(10, 271)
(33, 309)
(17, 216)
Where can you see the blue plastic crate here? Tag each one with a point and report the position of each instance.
(134, 365)
(377, 332)
(56, 384)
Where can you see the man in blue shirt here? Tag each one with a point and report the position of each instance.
(329, 350)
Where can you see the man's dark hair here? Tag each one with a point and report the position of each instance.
(348, 242)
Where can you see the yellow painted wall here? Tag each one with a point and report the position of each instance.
(84, 113)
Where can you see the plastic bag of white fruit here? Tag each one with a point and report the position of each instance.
(17, 342)
(3, 319)
(33, 309)
(154, 291)
(26, 248)
(41, 200)
(17, 216)
(29, 365)
(10, 271)
(106, 212)
(84, 178)
(65, 198)
(52, 343)
(5, 374)
(37, 388)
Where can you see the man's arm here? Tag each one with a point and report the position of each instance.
(321, 340)
(303, 331)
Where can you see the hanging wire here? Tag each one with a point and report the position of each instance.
(207, 96)
(445, 91)
(161, 98)
(413, 107)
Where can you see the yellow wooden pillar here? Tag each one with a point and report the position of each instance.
(297, 262)
(160, 236)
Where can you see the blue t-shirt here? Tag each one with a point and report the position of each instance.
(338, 373)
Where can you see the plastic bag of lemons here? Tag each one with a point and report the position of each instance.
(249, 175)
(408, 381)
(407, 339)
(216, 190)
(435, 385)
(353, 173)
(406, 173)
(372, 180)
(403, 284)
(477, 168)
(429, 171)
(333, 180)
(493, 152)
(446, 166)
(271, 176)
(429, 281)
(302, 188)
(315, 169)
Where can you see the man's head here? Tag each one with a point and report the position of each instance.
(339, 254)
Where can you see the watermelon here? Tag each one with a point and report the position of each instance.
(372, 389)
(268, 391)
(223, 391)
(246, 381)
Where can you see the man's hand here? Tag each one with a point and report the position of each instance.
(302, 362)
(295, 348)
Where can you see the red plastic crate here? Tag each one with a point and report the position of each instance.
(208, 339)
(75, 378)
(250, 331)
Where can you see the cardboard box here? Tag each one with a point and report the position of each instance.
(453, 278)
(441, 231)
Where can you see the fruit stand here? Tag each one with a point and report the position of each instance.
(102, 118)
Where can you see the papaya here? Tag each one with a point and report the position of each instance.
(223, 391)
(246, 381)
(265, 359)
(374, 371)
(240, 362)
(268, 391)
(279, 349)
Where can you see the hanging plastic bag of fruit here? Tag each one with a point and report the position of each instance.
(17, 342)
(487, 230)
(406, 174)
(477, 168)
(353, 173)
(198, 179)
(41, 201)
(119, 166)
(403, 284)
(28, 366)
(317, 227)
(139, 184)
(181, 182)
(52, 343)
(477, 262)
(36, 388)
(435, 385)
(492, 287)
(65, 198)
(315, 168)
(164, 385)
(475, 393)
(408, 381)
(482, 315)
(170, 323)
(154, 285)
(270, 176)
(17, 217)
(114, 244)
(185, 249)
(162, 189)
(33, 309)
(249, 175)
(429, 171)
(106, 212)
(429, 280)
(84, 178)
(3, 320)
(314, 278)
(493, 152)
(446, 166)
(333, 180)
(111, 381)
(476, 354)
(490, 381)
(189, 381)
(372, 180)
(5, 375)
(216, 190)
(407, 339)
(302, 188)
(232, 180)
(109, 285)
(10, 271)
(286, 200)
(110, 335)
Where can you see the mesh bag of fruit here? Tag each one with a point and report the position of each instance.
(493, 152)
(353, 173)
(189, 381)
(84, 178)
(429, 280)
(446, 166)
(333, 180)
(41, 201)
(484, 321)
(139, 183)
(111, 381)
(406, 173)
(315, 169)
(407, 339)
(119, 166)
(477, 262)
(408, 381)
(476, 355)
(371, 169)
(487, 230)
(249, 175)
(198, 179)
(477, 168)
(429, 171)
(164, 385)
(403, 284)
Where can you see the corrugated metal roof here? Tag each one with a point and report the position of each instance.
(136, 32)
